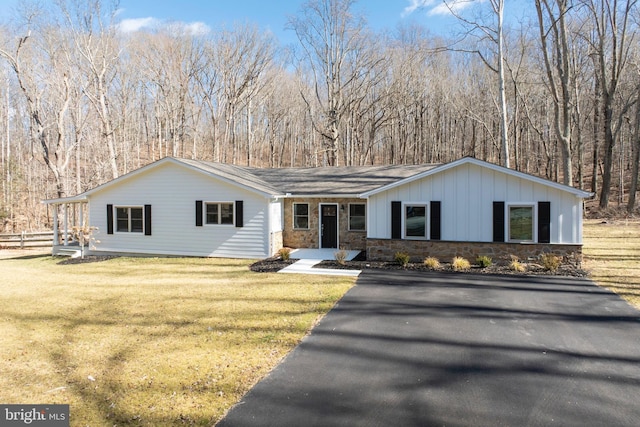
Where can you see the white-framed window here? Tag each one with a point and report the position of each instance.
(357, 217)
(415, 221)
(129, 219)
(521, 222)
(218, 213)
(301, 216)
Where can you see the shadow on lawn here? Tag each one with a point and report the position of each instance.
(123, 336)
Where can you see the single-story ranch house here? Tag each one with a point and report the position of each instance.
(195, 208)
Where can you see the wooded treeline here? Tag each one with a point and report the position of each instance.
(83, 102)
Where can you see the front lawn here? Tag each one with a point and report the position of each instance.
(612, 256)
(146, 341)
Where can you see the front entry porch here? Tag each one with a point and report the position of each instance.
(71, 234)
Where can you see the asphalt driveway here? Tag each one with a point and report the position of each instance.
(415, 349)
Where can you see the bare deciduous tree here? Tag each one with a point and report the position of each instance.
(552, 16)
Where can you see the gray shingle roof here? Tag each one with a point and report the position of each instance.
(335, 181)
(329, 181)
(237, 174)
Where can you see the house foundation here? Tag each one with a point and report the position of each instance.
(418, 250)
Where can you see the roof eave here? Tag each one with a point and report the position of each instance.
(73, 199)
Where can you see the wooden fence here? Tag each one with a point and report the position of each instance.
(27, 239)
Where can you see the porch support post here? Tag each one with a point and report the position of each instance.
(66, 224)
(56, 238)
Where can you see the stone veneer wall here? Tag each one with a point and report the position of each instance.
(418, 250)
(352, 240)
(276, 242)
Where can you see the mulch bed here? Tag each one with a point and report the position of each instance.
(531, 268)
(87, 259)
(274, 264)
(271, 265)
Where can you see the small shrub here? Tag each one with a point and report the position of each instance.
(401, 258)
(484, 261)
(516, 265)
(551, 262)
(460, 264)
(285, 253)
(341, 256)
(432, 263)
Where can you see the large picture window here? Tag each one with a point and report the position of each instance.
(300, 216)
(521, 223)
(129, 219)
(415, 221)
(219, 213)
(357, 217)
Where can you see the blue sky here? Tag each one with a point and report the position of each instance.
(201, 15)
(207, 15)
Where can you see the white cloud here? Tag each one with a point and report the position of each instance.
(416, 5)
(454, 5)
(137, 24)
(438, 7)
(196, 28)
(188, 28)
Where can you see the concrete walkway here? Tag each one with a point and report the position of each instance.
(310, 257)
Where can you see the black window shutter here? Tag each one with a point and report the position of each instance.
(239, 214)
(435, 220)
(498, 221)
(109, 219)
(544, 222)
(147, 220)
(198, 213)
(396, 220)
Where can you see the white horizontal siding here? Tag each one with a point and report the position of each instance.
(172, 191)
(467, 193)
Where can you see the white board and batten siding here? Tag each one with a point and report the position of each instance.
(467, 193)
(172, 191)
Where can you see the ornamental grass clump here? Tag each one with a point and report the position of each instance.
(432, 263)
(551, 262)
(484, 261)
(401, 258)
(516, 265)
(341, 256)
(460, 264)
(285, 254)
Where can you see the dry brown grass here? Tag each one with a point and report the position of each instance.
(149, 341)
(612, 255)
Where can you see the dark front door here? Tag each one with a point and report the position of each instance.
(329, 226)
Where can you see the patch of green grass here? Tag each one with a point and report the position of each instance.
(402, 258)
(144, 341)
(484, 261)
(612, 255)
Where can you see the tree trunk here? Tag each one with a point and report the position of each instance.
(633, 187)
